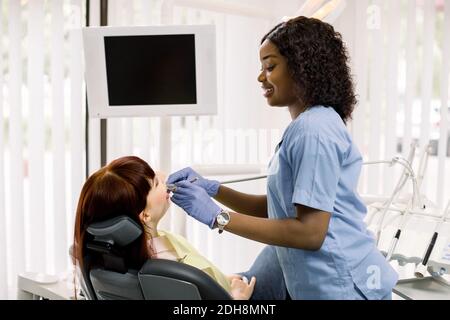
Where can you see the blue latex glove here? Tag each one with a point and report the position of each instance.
(196, 202)
(210, 186)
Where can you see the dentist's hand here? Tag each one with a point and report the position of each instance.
(196, 202)
(210, 186)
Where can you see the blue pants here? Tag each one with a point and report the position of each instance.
(270, 283)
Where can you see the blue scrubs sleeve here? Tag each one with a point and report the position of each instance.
(316, 165)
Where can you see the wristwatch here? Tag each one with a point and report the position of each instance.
(222, 220)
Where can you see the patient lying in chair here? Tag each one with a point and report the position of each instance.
(129, 186)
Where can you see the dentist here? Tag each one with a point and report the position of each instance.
(312, 215)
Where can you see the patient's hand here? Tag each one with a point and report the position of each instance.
(241, 290)
(230, 277)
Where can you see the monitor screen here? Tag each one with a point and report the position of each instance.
(151, 69)
(147, 71)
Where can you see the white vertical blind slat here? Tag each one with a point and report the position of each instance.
(128, 8)
(15, 231)
(411, 76)
(127, 137)
(113, 139)
(170, 16)
(59, 240)
(361, 67)
(178, 221)
(76, 113)
(427, 76)
(127, 123)
(3, 269)
(36, 218)
(392, 91)
(376, 80)
(444, 123)
(114, 125)
(145, 123)
(94, 145)
(205, 17)
(220, 43)
(94, 12)
(94, 124)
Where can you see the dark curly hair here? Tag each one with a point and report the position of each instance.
(317, 59)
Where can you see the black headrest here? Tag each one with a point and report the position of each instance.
(120, 231)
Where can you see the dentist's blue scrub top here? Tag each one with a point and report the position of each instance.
(318, 165)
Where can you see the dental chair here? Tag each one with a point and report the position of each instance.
(157, 279)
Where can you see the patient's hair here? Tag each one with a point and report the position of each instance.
(317, 60)
(120, 188)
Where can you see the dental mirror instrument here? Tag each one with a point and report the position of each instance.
(171, 187)
(243, 180)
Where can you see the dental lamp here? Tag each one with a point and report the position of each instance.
(327, 11)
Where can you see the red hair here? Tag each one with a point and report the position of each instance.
(120, 188)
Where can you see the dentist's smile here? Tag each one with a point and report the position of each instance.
(267, 91)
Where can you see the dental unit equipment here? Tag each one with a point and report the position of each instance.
(396, 238)
(407, 173)
(423, 164)
(422, 267)
(413, 203)
(401, 182)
